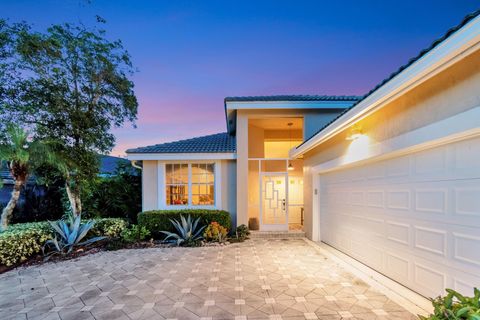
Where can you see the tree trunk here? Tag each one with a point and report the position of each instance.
(8, 210)
(74, 198)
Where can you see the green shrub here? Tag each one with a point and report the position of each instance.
(455, 306)
(109, 227)
(134, 234)
(115, 196)
(215, 232)
(159, 220)
(242, 232)
(21, 241)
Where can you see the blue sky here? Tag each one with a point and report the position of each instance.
(191, 54)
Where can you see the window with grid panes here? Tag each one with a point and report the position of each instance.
(176, 184)
(198, 191)
(203, 184)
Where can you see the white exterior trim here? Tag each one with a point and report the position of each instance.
(182, 156)
(459, 127)
(162, 191)
(243, 105)
(162, 201)
(456, 47)
(316, 221)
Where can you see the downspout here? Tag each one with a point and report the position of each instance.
(135, 165)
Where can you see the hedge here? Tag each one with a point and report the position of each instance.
(23, 240)
(20, 241)
(159, 220)
(109, 227)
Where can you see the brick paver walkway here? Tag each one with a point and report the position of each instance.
(257, 279)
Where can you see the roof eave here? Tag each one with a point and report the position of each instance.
(182, 156)
(286, 104)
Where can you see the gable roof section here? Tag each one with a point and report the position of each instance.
(410, 62)
(277, 98)
(214, 143)
(232, 104)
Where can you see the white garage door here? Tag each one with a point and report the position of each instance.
(414, 218)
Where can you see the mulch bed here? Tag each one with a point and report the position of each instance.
(38, 259)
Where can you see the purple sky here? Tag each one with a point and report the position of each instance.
(191, 54)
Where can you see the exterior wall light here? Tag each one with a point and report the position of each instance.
(354, 134)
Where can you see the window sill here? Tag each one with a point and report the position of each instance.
(182, 207)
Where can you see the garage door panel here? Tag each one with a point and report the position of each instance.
(398, 167)
(375, 198)
(398, 232)
(397, 267)
(466, 199)
(366, 252)
(429, 280)
(466, 155)
(399, 199)
(415, 218)
(376, 173)
(430, 240)
(431, 164)
(463, 283)
(431, 200)
(465, 247)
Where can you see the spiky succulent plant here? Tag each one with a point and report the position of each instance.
(188, 231)
(68, 235)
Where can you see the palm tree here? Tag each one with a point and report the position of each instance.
(22, 156)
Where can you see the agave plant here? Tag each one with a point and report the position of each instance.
(188, 231)
(70, 234)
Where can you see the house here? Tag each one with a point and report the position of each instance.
(391, 179)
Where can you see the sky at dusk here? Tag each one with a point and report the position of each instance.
(192, 54)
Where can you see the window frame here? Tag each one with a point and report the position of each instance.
(169, 183)
(216, 190)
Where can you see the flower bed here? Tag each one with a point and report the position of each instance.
(22, 241)
(159, 220)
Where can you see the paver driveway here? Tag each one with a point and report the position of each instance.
(257, 279)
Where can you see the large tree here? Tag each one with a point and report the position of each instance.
(74, 88)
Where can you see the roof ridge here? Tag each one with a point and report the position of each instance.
(208, 143)
(193, 138)
(297, 97)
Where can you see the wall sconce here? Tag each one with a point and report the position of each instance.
(355, 133)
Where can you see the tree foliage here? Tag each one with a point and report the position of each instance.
(118, 195)
(22, 156)
(72, 85)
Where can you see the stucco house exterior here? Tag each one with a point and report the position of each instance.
(391, 178)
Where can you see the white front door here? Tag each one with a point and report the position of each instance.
(274, 207)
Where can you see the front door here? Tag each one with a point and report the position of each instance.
(274, 207)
